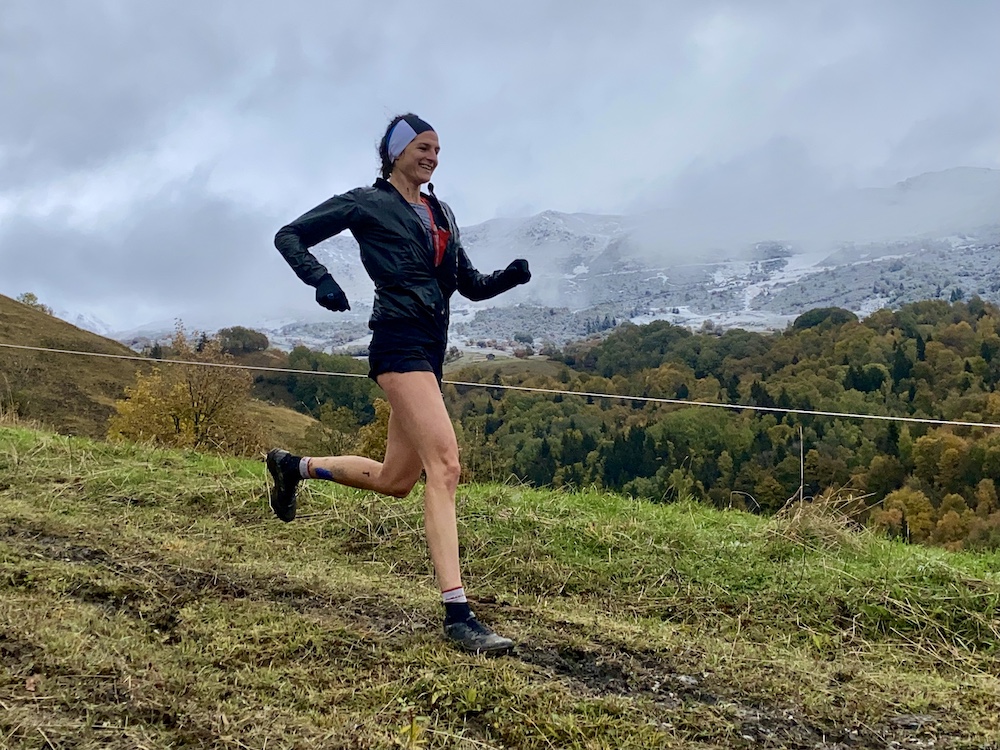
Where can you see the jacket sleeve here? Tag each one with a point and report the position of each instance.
(326, 220)
(470, 283)
(477, 286)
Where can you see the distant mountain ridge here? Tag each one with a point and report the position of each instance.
(937, 204)
(941, 230)
(708, 257)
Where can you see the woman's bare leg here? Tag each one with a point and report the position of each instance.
(420, 436)
(394, 476)
(419, 409)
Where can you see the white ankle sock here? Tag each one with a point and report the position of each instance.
(454, 596)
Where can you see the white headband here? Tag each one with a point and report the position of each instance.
(400, 137)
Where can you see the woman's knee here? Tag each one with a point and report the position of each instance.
(401, 486)
(445, 471)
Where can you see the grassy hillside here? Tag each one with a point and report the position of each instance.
(75, 395)
(506, 366)
(72, 394)
(148, 599)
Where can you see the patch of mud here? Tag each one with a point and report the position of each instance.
(605, 669)
(147, 606)
(196, 583)
(127, 500)
(153, 591)
(375, 614)
(55, 547)
(609, 673)
(16, 654)
(98, 710)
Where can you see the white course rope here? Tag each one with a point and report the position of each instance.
(527, 389)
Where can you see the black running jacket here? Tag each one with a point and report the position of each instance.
(397, 254)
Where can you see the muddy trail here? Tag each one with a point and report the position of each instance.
(154, 593)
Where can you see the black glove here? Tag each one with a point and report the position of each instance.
(518, 271)
(330, 295)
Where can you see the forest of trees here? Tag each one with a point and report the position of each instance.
(930, 359)
(924, 482)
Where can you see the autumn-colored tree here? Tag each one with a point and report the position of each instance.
(916, 510)
(953, 502)
(241, 340)
(665, 380)
(954, 521)
(951, 529)
(200, 406)
(985, 533)
(336, 432)
(887, 520)
(949, 469)
(770, 494)
(31, 300)
(986, 498)
(884, 474)
(372, 437)
(938, 458)
(477, 454)
(960, 337)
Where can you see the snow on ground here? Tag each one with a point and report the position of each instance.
(751, 320)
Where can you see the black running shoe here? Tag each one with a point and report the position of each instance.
(474, 637)
(285, 484)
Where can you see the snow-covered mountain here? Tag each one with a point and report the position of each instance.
(935, 235)
(86, 321)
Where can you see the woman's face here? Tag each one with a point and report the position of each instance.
(419, 159)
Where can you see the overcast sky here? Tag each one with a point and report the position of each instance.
(149, 149)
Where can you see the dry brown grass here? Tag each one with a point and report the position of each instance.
(832, 519)
(74, 394)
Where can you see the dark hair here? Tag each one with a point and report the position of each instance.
(383, 145)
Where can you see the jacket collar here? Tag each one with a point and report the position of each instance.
(440, 216)
(384, 184)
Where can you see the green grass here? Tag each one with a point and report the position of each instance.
(149, 600)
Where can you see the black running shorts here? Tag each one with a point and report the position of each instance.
(403, 349)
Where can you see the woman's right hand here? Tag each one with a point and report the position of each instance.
(330, 295)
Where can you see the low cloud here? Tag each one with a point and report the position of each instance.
(143, 138)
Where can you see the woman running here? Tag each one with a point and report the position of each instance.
(410, 248)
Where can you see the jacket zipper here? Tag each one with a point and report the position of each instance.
(428, 242)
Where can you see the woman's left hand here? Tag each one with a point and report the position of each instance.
(518, 271)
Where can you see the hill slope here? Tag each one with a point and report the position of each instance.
(74, 394)
(148, 599)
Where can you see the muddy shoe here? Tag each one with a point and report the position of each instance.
(474, 637)
(286, 481)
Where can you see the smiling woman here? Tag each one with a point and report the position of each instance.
(411, 249)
